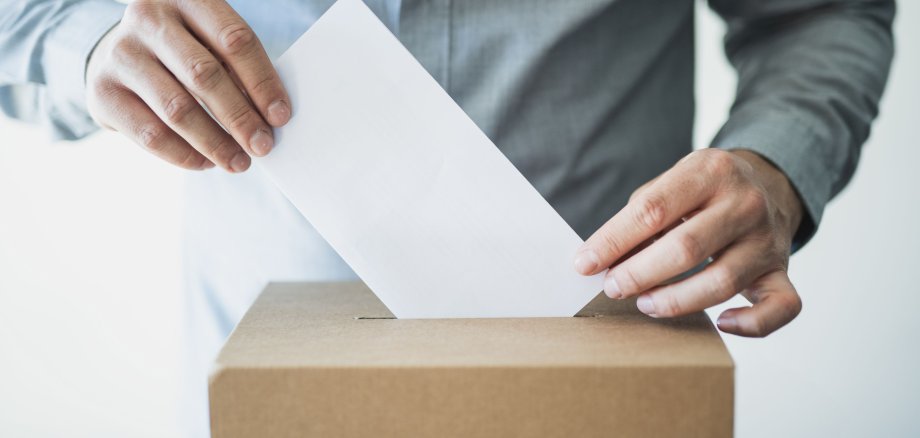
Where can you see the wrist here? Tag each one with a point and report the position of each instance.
(95, 51)
(67, 46)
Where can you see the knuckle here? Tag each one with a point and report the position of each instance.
(204, 74)
(689, 249)
(102, 102)
(141, 12)
(651, 212)
(627, 281)
(102, 92)
(212, 149)
(96, 88)
(160, 31)
(611, 244)
(220, 151)
(719, 162)
(239, 117)
(191, 160)
(148, 18)
(236, 38)
(151, 137)
(124, 50)
(668, 307)
(177, 109)
(268, 86)
(754, 203)
(793, 305)
(724, 281)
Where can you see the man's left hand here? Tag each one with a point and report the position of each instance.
(732, 206)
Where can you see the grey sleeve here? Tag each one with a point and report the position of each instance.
(44, 46)
(810, 76)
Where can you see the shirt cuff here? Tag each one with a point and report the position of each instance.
(794, 149)
(68, 45)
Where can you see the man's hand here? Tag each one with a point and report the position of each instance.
(147, 76)
(732, 206)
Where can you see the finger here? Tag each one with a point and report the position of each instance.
(776, 303)
(202, 73)
(222, 29)
(676, 252)
(131, 117)
(677, 192)
(733, 270)
(640, 247)
(175, 106)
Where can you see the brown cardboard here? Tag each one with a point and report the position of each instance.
(322, 359)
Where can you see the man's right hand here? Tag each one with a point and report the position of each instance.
(147, 75)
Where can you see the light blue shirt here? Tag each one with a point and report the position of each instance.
(588, 98)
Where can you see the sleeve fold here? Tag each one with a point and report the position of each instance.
(46, 45)
(810, 76)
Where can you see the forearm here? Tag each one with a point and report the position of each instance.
(809, 84)
(45, 45)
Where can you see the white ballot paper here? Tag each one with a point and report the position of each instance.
(408, 190)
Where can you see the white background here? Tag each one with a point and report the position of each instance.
(89, 283)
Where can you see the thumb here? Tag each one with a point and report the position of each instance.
(775, 303)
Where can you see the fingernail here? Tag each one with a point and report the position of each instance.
(645, 305)
(240, 162)
(279, 113)
(586, 262)
(611, 288)
(726, 323)
(261, 143)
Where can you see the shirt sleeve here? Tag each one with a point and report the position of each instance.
(810, 76)
(44, 47)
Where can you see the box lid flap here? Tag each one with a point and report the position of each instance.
(345, 325)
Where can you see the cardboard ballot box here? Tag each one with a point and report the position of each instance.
(328, 359)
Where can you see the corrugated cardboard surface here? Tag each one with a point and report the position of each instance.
(322, 359)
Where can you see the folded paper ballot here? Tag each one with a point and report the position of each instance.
(408, 190)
